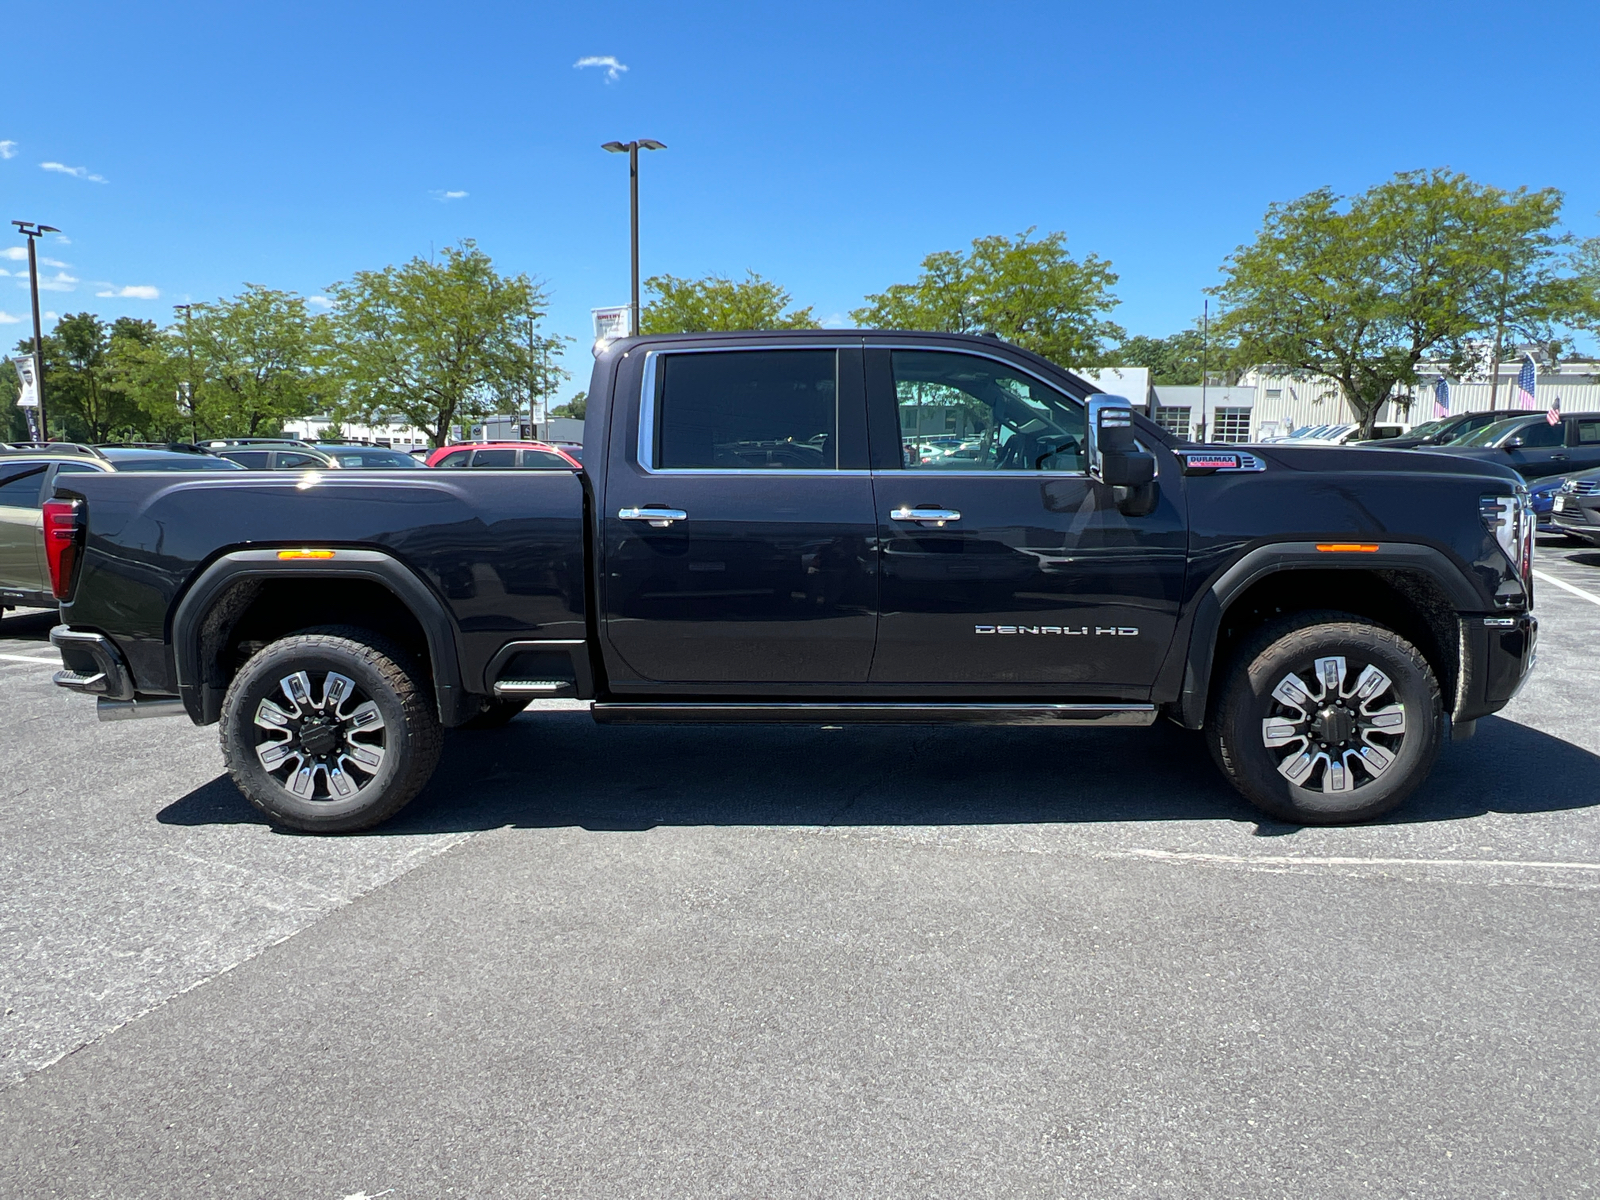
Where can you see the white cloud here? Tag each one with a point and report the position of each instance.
(15, 253)
(7, 319)
(53, 262)
(134, 291)
(444, 197)
(8, 149)
(319, 301)
(60, 282)
(63, 239)
(75, 172)
(613, 68)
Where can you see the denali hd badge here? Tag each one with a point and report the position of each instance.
(1063, 630)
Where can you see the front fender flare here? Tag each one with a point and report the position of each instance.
(1256, 564)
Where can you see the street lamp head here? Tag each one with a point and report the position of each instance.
(651, 144)
(48, 229)
(615, 147)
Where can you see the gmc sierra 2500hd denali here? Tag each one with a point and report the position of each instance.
(817, 527)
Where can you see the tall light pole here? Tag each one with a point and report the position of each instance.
(32, 230)
(632, 150)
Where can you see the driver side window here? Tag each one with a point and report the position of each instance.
(960, 412)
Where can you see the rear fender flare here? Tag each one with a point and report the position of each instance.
(1266, 560)
(204, 702)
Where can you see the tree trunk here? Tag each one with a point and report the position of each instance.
(1494, 365)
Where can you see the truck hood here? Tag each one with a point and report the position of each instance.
(1364, 460)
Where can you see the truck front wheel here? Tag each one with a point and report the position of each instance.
(329, 731)
(1327, 718)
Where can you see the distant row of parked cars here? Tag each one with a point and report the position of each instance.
(29, 471)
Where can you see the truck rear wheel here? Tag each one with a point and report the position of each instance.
(1327, 718)
(329, 731)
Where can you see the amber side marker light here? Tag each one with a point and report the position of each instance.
(1347, 547)
(288, 554)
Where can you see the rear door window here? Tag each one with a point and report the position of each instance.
(1588, 432)
(494, 460)
(22, 484)
(293, 461)
(254, 459)
(744, 410)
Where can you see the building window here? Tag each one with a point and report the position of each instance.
(1231, 425)
(1174, 419)
(1274, 393)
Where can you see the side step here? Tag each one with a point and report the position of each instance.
(868, 713)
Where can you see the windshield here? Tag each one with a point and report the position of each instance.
(1427, 428)
(1490, 434)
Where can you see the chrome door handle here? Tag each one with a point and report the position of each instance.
(925, 516)
(659, 518)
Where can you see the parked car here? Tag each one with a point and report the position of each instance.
(278, 456)
(367, 458)
(503, 456)
(29, 473)
(1542, 496)
(1444, 431)
(1575, 510)
(1531, 446)
(1327, 616)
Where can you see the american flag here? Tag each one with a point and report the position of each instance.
(1441, 398)
(1553, 413)
(1525, 383)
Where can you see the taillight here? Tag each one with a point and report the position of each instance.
(63, 543)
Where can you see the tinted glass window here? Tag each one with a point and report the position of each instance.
(575, 451)
(544, 460)
(22, 484)
(748, 410)
(1541, 435)
(959, 412)
(289, 460)
(71, 468)
(494, 460)
(178, 462)
(1588, 432)
(249, 458)
(374, 459)
(454, 462)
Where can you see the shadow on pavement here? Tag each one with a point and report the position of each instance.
(29, 624)
(560, 769)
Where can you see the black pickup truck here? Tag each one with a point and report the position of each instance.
(817, 528)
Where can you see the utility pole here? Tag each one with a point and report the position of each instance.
(533, 424)
(1205, 346)
(188, 340)
(632, 150)
(33, 230)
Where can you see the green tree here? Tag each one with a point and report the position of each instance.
(1528, 291)
(574, 408)
(1029, 291)
(86, 399)
(254, 358)
(719, 303)
(1176, 360)
(435, 343)
(1360, 291)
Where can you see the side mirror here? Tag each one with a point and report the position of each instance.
(1513, 444)
(1115, 459)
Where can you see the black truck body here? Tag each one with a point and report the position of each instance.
(756, 536)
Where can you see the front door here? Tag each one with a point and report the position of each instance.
(738, 531)
(1004, 565)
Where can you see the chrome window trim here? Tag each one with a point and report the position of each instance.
(644, 449)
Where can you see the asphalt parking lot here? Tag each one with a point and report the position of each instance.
(866, 962)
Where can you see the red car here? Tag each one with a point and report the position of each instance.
(503, 456)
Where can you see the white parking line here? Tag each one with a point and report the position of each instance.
(1566, 587)
(1305, 860)
(56, 662)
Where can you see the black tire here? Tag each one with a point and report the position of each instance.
(495, 714)
(1261, 743)
(330, 742)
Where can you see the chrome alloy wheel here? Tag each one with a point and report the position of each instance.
(1340, 736)
(325, 749)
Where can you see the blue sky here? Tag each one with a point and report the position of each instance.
(827, 146)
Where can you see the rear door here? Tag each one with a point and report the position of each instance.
(22, 561)
(737, 527)
(1004, 565)
(1583, 444)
